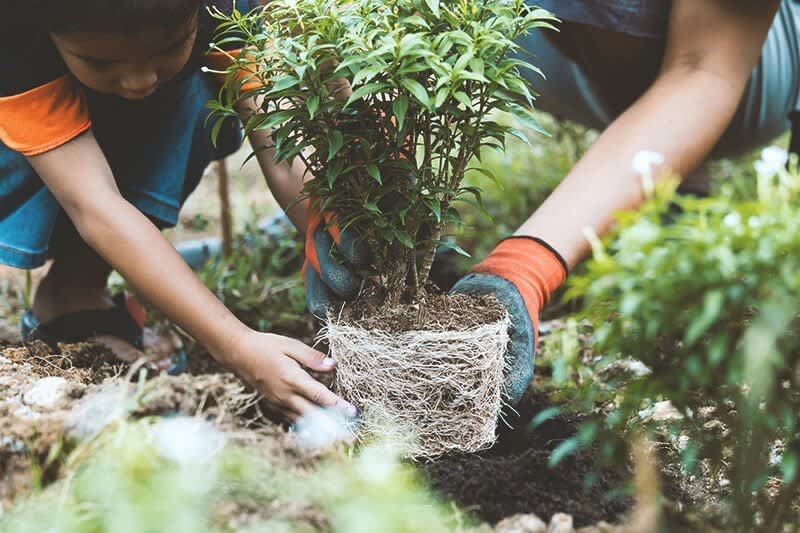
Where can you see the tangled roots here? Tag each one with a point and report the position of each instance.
(438, 391)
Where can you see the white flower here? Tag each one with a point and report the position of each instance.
(754, 222)
(187, 440)
(645, 160)
(732, 220)
(773, 161)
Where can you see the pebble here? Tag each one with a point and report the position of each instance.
(322, 428)
(48, 393)
(602, 527)
(97, 409)
(661, 412)
(561, 523)
(521, 523)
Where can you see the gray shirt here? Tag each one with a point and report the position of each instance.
(641, 18)
(771, 94)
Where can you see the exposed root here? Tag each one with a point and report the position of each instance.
(438, 391)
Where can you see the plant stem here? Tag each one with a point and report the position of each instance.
(226, 218)
(430, 255)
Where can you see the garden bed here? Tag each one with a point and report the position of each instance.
(51, 402)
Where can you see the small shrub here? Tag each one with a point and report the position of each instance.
(707, 297)
(389, 157)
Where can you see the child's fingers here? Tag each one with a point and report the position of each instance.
(319, 395)
(301, 407)
(309, 357)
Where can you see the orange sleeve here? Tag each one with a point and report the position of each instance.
(219, 61)
(45, 117)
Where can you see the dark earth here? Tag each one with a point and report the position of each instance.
(514, 476)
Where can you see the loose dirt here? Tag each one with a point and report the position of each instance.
(514, 477)
(433, 312)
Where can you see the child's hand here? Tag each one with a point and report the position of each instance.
(272, 364)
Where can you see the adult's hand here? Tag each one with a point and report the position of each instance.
(521, 272)
(333, 260)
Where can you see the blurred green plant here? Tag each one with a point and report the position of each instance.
(260, 283)
(126, 480)
(389, 157)
(706, 294)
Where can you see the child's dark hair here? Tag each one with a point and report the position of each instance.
(117, 16)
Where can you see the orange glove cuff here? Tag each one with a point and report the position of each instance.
(532, 265)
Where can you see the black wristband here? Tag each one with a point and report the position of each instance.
(546, 245)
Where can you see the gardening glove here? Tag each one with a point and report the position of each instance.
(521, 272)
(333, 260)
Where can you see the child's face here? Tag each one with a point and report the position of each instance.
(128, 65)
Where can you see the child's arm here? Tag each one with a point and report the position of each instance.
(80, 178)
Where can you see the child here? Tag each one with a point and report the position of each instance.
(102, 123)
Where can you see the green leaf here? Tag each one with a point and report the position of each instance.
(544, 416)
(712, 306)
(312, 104)
(404, 238)
(441, 96)
(364, 90)
(335, 143)
(283, 83)
(372, 170)
(435, 207)
(451, 245)
(418, 91)
(434, 6)
(399, 108)
(564, 449)
(462, 97)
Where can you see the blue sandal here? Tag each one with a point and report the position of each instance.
(79, 326)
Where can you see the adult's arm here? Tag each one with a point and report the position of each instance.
(711, 49)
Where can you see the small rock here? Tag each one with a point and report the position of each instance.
(561, 523)
(522, 523)
(97, 409)
(664, 411)
(23, 412)
(48, 393)
(322, 428)
(601, 527)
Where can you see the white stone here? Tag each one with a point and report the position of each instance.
(522, 523)
(664, 411)
(97, 409)
(561, 523)
(322, 428)
(48, 393)
(635, 367)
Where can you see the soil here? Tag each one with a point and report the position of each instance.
(514, 476)
(433, 312)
